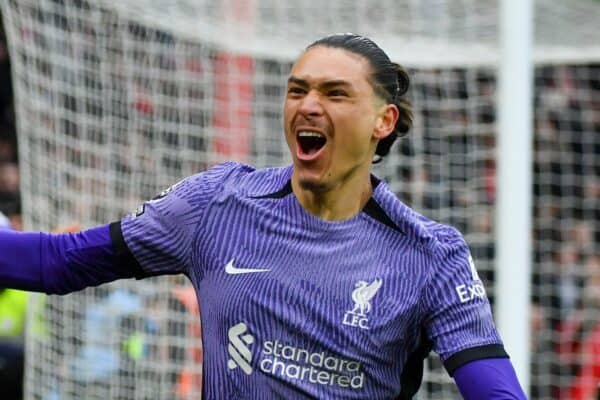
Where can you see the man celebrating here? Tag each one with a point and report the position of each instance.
(314, 280)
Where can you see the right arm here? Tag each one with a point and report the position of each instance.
(63, 263)
(158, 238)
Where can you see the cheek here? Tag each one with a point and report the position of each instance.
(288, 113)
(358, 128)
(357, 139)
(289, 137)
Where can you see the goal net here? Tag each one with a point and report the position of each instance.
(117, 100)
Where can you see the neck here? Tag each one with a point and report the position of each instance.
(338, 202)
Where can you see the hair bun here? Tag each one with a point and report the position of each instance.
(403, 82)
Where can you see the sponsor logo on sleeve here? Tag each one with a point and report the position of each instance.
(139, 211)
(473, 290)
(142, 207)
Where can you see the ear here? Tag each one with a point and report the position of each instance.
(386, 121)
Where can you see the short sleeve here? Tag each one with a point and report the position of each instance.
(160, 233)
(459, 319)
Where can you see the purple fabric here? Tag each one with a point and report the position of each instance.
(20, 260)
(58, 263)
(488, 379)
(221, 226)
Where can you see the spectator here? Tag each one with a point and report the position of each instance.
(580, 339)
(13, 305)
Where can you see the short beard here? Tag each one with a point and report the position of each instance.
(312, 186)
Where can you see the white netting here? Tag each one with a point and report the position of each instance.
(117, 100)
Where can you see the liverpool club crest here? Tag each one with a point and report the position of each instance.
(361, 296)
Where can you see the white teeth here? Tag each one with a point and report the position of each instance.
(309, 134)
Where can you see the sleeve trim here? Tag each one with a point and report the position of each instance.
(472, 354)
(124, 256)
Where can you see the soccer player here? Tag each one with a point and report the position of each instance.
(314, 280)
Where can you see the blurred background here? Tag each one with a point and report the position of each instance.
(115, 101)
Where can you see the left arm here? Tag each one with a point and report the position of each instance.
(461, 327)
(488, 379)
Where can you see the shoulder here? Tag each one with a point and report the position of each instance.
(222, 174)
(246, 180)
(235, 179)
(434, 237)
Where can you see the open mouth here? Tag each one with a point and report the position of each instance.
(311, 142)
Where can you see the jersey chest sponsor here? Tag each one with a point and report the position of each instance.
(285, 360)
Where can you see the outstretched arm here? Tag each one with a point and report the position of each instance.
(62, 263)
(160, 235)
(488, 379)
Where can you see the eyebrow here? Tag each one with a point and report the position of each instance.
(324, 85)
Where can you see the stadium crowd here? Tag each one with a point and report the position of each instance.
(13, 303)
(9, 172)
(566, 205)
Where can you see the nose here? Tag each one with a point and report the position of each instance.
(310, 105)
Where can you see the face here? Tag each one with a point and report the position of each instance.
(332, 117)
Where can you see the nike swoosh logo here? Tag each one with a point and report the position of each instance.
(233, 270)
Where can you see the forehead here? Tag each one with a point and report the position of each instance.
(322, 63)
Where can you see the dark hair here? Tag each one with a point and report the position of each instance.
(389, 80)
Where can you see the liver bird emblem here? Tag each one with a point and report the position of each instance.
(363, 294)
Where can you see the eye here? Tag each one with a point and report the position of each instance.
(295, 90)
(337, 93)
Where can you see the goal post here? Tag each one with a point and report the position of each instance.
(117, 100)
(514, 178)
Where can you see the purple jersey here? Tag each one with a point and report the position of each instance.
(293, 306)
